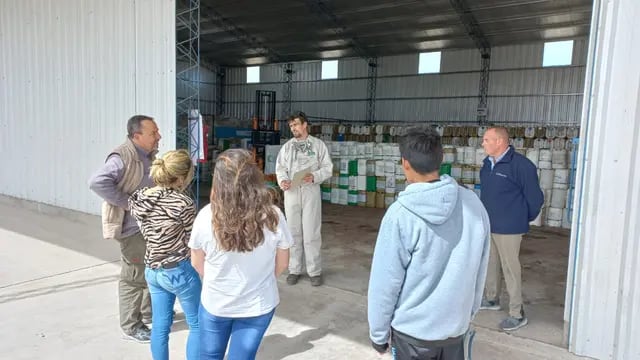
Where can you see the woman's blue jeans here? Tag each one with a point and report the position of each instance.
(245, 333)
(165, 285)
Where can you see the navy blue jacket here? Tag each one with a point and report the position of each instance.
(511, 193)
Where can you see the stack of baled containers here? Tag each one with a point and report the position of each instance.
(555, 173)
(465, 163)
(370, 173)
(364, 174)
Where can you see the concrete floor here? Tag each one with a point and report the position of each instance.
(349, 236)
(58, 284)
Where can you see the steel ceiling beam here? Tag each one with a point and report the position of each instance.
(322, 10)
(188, 74)
(480, 6)
(287, 79)
(471, 25)
(426, 21)
(269, 26)
(402, 33)
(372, 80)
(484, 46)
(220, 89)
(210, 14)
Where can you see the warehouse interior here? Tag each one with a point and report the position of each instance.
(73, 71)
(363, 71)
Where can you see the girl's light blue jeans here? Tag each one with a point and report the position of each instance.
(165, 285)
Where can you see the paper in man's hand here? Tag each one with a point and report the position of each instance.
(298, 178)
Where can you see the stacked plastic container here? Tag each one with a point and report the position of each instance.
(369, 174)
(364, 174)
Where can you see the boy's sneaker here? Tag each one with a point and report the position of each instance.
(489, 305)
(140, 335)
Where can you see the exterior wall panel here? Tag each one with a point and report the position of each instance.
(603, 285)
(71, 73)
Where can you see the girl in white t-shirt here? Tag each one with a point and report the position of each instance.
(240, 244)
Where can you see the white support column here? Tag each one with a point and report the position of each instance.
(603, 282)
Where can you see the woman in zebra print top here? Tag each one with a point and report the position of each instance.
(165, 216)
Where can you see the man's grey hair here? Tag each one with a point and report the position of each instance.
(134, 124)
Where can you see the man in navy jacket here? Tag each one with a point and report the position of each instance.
(512, 196)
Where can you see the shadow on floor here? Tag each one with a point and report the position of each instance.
(57, 288)
(279, 346)
(349, 235)
(72, 230)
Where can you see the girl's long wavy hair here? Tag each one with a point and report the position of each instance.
(241, 204)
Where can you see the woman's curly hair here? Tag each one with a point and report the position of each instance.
(241, 204)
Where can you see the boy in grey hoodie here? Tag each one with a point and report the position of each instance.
(430, 259)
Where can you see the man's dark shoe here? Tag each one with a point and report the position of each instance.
(292, 279)
(511, 323)
(489, 305)
(514, 323)
(140, 335)
(316, 280)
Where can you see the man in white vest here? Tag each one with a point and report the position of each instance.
(303, 163)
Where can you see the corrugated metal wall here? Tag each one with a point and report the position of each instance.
(207, 85)
(520, 90)
(327, 98)
(604, 268)
(71, 73)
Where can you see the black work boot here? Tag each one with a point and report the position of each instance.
(316, 280)
(292, 279)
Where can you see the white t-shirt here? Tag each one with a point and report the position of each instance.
(239, 284)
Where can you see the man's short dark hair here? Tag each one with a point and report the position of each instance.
(134, 124)
(422, 148)
(298, 115)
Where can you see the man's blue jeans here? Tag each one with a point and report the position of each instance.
(245, 333)
(165, 285)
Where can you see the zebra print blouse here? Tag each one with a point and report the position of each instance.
(165, 217)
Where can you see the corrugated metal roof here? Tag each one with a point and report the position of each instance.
(71, 74)
(243, 32)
